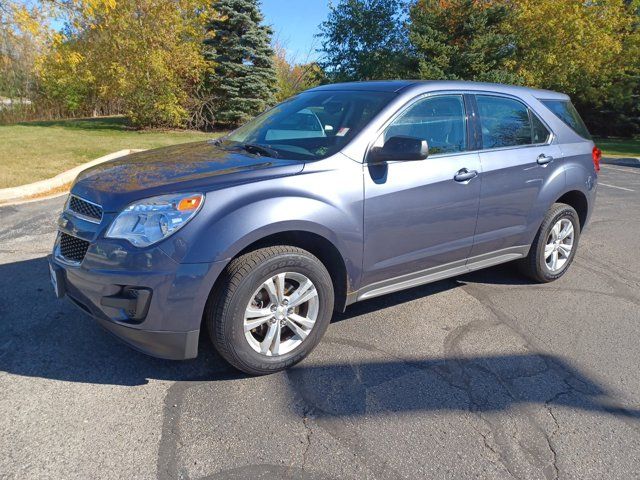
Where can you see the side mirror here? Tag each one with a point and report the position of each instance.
(399, 148)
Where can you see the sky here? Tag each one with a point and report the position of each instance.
(295, 22)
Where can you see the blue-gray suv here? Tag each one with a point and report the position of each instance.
(340, 194)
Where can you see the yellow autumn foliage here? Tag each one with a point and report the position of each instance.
(141, 57)
(581, 48)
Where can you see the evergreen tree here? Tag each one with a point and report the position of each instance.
(243, 77)
(462, 39)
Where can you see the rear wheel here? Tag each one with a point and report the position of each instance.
(554, 246)
(272, 308)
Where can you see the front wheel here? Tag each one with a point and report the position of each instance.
(554, 246)
(271, 309)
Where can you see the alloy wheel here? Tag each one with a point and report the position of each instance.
(559, 244)
(281, 314)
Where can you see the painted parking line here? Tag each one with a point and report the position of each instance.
(613, 186)
(625, 170)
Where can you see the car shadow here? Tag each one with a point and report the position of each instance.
(490, 383)
(41, 336)
(504, 274)
(46, 338)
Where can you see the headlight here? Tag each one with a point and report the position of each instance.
(148, 221)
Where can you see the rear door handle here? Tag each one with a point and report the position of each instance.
(464, 174)
(544, 159)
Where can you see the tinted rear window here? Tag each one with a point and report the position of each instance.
(565, 111)
(505, 122)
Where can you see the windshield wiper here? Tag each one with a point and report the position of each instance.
(261, 150)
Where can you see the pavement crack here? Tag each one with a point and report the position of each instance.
(504, 448)
(314, 417)
(488, 444)
(555, 474)
(309, 433)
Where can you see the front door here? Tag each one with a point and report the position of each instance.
(420, 216)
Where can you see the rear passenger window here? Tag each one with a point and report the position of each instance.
(540, 133)
(505, 122)
(440, 120)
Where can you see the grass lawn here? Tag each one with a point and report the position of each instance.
(33, 151)
(619, 147)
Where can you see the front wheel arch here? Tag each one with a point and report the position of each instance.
(314, 243)
(225, 307)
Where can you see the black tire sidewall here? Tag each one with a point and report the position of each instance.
(570, 214)
(233, 329)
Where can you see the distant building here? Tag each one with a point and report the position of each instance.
(6, 102)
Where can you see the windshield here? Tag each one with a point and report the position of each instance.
(312, 125)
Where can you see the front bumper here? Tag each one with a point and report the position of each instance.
(142, 296)
(177, 340)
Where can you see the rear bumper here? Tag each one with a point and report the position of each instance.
(592, 193)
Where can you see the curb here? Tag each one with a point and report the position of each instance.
(25, 192)
(621, 161)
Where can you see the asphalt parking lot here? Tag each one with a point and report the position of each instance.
(483, 376)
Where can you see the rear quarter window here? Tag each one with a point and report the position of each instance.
(565, 111)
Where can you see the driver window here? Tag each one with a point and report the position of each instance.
(440, 120)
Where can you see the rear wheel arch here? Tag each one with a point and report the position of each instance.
(578, 201)
(535, 265)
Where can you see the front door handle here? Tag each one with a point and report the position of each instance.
(464, 174)
(544, 159)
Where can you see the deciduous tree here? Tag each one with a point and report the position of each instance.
(293, 77)
(365, 40)
(23, 34)
(590, 50)
(142, 55)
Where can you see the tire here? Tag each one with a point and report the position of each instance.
(242, 293)
(538, 265)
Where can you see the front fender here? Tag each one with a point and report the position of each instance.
(253, 222)
(326, 199)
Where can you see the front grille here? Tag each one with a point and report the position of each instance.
(73, 248)
(85, 209)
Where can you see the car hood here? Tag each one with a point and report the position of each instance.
(200, 166)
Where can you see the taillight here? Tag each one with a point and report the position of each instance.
(596, 154)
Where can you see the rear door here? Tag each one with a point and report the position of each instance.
(517, 158)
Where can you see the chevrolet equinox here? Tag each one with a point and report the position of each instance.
(342, 193)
